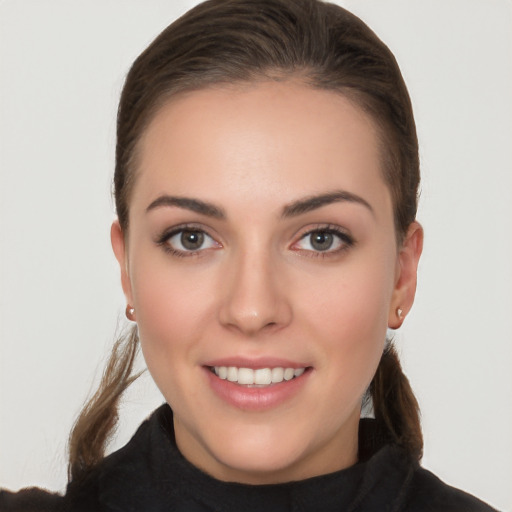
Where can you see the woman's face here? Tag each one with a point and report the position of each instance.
(262, 265)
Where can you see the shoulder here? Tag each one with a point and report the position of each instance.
(31, 499)
(428, 493)
(124, 480)
(404, 484)
(120, 476)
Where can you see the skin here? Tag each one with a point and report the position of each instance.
(257, 287)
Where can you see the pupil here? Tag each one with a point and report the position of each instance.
(321, 241)
(192, 240)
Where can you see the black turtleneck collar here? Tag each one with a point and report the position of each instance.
(151, 474)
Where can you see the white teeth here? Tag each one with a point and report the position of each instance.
(259, 377)
(289, 373)
(262, 377)
(245, 376)
(277, 374)
(232, 374)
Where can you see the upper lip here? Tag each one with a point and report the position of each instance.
(256, 363)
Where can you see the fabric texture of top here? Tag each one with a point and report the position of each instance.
(150, 474)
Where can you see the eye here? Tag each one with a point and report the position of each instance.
(324, 240)
(187, 241)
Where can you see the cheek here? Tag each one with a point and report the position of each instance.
(348, 315)
(173, 308)
(172, 316)
(353, 306)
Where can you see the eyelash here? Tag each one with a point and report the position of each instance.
(164, 238)
(344, 239)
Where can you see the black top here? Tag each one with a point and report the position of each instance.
(150, 474)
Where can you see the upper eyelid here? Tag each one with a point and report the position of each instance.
(169, 232)
(333, 228)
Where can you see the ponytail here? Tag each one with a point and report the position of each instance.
(395, 406)
(96, 423)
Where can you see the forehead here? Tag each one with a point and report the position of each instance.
(270, 140)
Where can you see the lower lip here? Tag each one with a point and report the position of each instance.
(256, 398)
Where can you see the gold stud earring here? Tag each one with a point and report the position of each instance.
(130, 313)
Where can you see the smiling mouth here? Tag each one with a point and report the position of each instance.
(259, 377)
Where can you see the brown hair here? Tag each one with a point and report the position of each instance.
(232, 41)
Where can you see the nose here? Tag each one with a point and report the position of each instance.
(254, 295)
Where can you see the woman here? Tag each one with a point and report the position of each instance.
(266, 189)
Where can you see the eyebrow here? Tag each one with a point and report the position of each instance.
(293, 209)
(314, 202)
(195, 205)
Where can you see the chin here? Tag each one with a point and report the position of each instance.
(261, 467)
(258, 455)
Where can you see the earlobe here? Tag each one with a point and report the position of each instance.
(407, 276)
(118, 241)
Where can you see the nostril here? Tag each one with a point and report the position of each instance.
(252, 304)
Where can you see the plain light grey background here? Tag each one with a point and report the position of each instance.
(62, 66)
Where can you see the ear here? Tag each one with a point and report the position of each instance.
(118, 241)
(406, 275)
